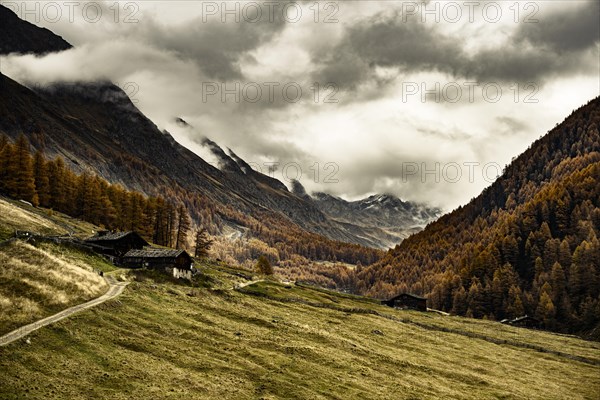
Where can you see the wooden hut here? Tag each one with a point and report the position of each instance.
(176, 262)
(407, 301)
(115, 244)
(525, 321)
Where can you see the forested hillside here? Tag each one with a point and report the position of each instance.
(86, 196)
(50, 184)
(527, 245)
(95, 127)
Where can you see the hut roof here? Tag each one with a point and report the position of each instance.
(156, 253)
(524, 318)
(414, 296)
(110, 236)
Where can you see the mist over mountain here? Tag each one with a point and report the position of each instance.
(94, 126)
(502, 254)
(199, 204)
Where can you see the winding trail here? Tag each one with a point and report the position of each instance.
(114, 290)
(243, 285)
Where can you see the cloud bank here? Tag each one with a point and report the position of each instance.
(377, 108)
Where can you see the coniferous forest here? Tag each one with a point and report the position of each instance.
(166, 221)
(49, 184)
(367, 200)
(529, 244)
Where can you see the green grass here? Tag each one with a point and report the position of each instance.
(493, 331)
(161, 339)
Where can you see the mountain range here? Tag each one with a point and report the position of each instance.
(95, 127)
(398, 219)
(528, 244)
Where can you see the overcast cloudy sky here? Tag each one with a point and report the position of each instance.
(427, 102)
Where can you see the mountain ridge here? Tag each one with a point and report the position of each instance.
(397, 218)
(95, 126)
(23, 37)
(528, 244)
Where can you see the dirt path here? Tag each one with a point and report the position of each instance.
(115, 289)
(243, 285)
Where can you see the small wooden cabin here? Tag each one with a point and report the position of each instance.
(115, 244)
(407, 301)
(176, 262)
(525, 321)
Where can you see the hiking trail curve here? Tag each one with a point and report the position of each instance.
(114, 290)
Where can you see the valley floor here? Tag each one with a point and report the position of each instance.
(161, 339)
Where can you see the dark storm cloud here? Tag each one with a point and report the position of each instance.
(574, 29)
(513, 125)
(215, 47)
(455, 135)
(555, 45)
(387, 41)
(373, 137)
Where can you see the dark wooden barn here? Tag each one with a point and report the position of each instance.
(525, 321)
(116, 244)
(407, 301)
(176, 262)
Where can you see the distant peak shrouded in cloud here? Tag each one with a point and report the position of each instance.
(369, 139)
(297, 188)
(224, 161)
(181, 122)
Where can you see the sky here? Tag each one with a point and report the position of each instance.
(426, 101)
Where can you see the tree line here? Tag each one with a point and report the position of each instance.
(86, 196)
(51, 184)
(529, 244)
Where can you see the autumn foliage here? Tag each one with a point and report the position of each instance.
(166, 219)
(86, 196)
(527, 245)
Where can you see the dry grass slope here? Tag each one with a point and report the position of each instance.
(162, 339)
(18, 218)
(15, 215)
(39, 281)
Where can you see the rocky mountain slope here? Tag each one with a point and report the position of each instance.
(396, 218)
(95, 126)
(18, 36)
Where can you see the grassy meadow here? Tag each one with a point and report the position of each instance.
(162, 339)
(16, 215)
(38, 279)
